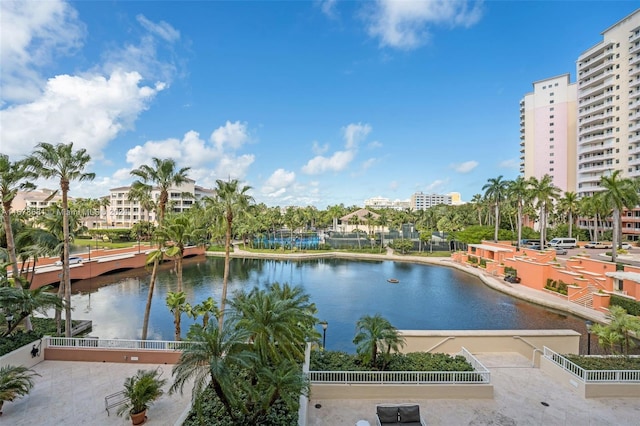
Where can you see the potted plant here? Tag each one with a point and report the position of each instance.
(15, 382)
(141, 390)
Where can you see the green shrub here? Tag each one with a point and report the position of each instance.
(508, 270)
(631, 306)
(605, 363)
(208, 410)
(483, 263)
(413, 361)
(17, 340)
(472, 259)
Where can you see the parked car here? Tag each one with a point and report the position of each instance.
(560, 250)
(626, 246)
(72, 260)
(597, 245)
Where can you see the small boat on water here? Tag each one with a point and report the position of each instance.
(393, 280)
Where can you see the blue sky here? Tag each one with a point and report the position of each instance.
(308, 102)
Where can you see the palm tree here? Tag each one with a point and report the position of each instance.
(21, 302)
(14, 177)
(212, 358)
(179, 230)
(279, 319)
(569, 204)
(176, 302)
(163, 175)
(376, 334)
(519, 190)
(478, 201)
(153, 258)
(15, 381)
(62, 162)
(544, 192)
(203, 309)
(624, 325)
(618, 193)
(233, 200)
(495, 191)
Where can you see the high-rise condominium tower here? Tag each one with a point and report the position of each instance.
(608, 78)
(548, 132)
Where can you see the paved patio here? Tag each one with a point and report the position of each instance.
(72, 393)
(519, 393)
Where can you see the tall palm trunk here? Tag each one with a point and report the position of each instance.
(11, 246)
(64, 184)
(227, 265)
(147, 309)
(614, 237)
(497, 221)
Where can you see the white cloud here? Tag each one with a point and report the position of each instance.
(319, 149)
(374, 145)
(354, 134)
(278, 183)
(88, 110)
(161, 29)
(32, 34)
(465, 167)
(231, 135)
(436, 185)
(337, 162)
(369, 163)
(208, 160)
(328, 7)
(509, 164)
(405, 24)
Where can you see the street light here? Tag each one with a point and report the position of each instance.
(9, 318)
(89, 247)
(324, 325)
(589, 324)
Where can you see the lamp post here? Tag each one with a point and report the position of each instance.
(9, 318)
(89, 247)
(324, 325)
(589, 324)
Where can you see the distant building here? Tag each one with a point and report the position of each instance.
(34, 202)
(548, 132)
(362, 219)
(421, 201)
(456, 198)
(124, 213)
(385, 203)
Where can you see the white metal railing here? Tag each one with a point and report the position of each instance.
(479, 375)
(153, 345)
(398, 377)
(592, 376)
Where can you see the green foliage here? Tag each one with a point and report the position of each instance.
(17, 340)
(111, 234)
(605, 363)
(413, 361)
(472, 259)
(208, 406)
(141, 390)
(508, 270)
(15, 381)
(557, 286)
(631, 306)
(483, 263)
(403, 246)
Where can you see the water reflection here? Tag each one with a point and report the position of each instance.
(427, 297)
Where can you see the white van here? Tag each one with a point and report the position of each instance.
(563, 243)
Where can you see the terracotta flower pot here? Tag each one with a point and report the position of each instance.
(138, 418)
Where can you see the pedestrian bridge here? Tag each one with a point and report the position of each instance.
(99, 265)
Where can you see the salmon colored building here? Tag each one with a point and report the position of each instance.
(580, 279)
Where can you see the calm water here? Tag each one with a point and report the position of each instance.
(427, 297)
